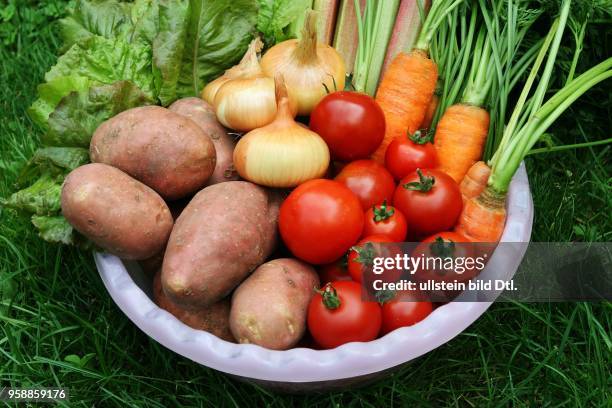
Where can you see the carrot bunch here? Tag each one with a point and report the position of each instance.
(484, 215)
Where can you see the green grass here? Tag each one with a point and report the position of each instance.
(516, 354)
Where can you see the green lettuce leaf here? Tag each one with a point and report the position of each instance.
(144, 16)
(50, 93)
(41, 198)
(79, 114)
(192, 41)
(276, 16)
(53, 161)
(106, 61)
(91, 63)
(218, 34)
(48, 168)
(112, 19)
(106, 18)
(160, 23)
(56, 229)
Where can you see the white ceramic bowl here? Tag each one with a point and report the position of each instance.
(305, 369)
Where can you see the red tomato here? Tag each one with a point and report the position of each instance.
(336, 271)
(405, 309)
(385, 220)
(351, 123)
(467, 262)
(339, 316)
(430, 200)
(444, 244)
(320, 220)
(370, 181)
(406, 154)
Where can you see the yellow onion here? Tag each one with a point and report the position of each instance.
(283, 153)
(243, 97)
(308, 67)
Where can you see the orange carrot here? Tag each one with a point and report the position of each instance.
(475, 180)
(483, 217)
(460, 138)
(431, 111)
(404, 95)
(462, 130)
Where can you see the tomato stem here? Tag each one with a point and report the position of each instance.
(442, 249)
(384, 296)
(421, 137)
(383, 212)
(365, 254)
(331, 300)
(424, 184)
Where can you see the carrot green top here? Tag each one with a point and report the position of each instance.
(438, 11)
(531, 117)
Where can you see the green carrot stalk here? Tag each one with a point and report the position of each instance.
(509, 159)
(437, 13)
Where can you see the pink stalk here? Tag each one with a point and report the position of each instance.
(406, 29)
(327, 11)
(346, 39)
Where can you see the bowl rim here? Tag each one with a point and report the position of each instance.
(300, 365)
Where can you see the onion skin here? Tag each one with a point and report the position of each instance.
(244, 97)
(210, 90)
(282, 154)
(246, 104)
(307, 66)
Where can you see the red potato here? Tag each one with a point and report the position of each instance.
(162, 149)
(203, 114)
(116, 212)
(223, 234)
(213, 319)
(269, 307)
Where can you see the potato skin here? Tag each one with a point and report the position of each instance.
(160, 148)
(116, 212)
(203, 114)
(224, 233)
(269, 308)
(213, 319)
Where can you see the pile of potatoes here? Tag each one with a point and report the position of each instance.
(161, 189)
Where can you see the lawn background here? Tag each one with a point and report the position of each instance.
(59, 327)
